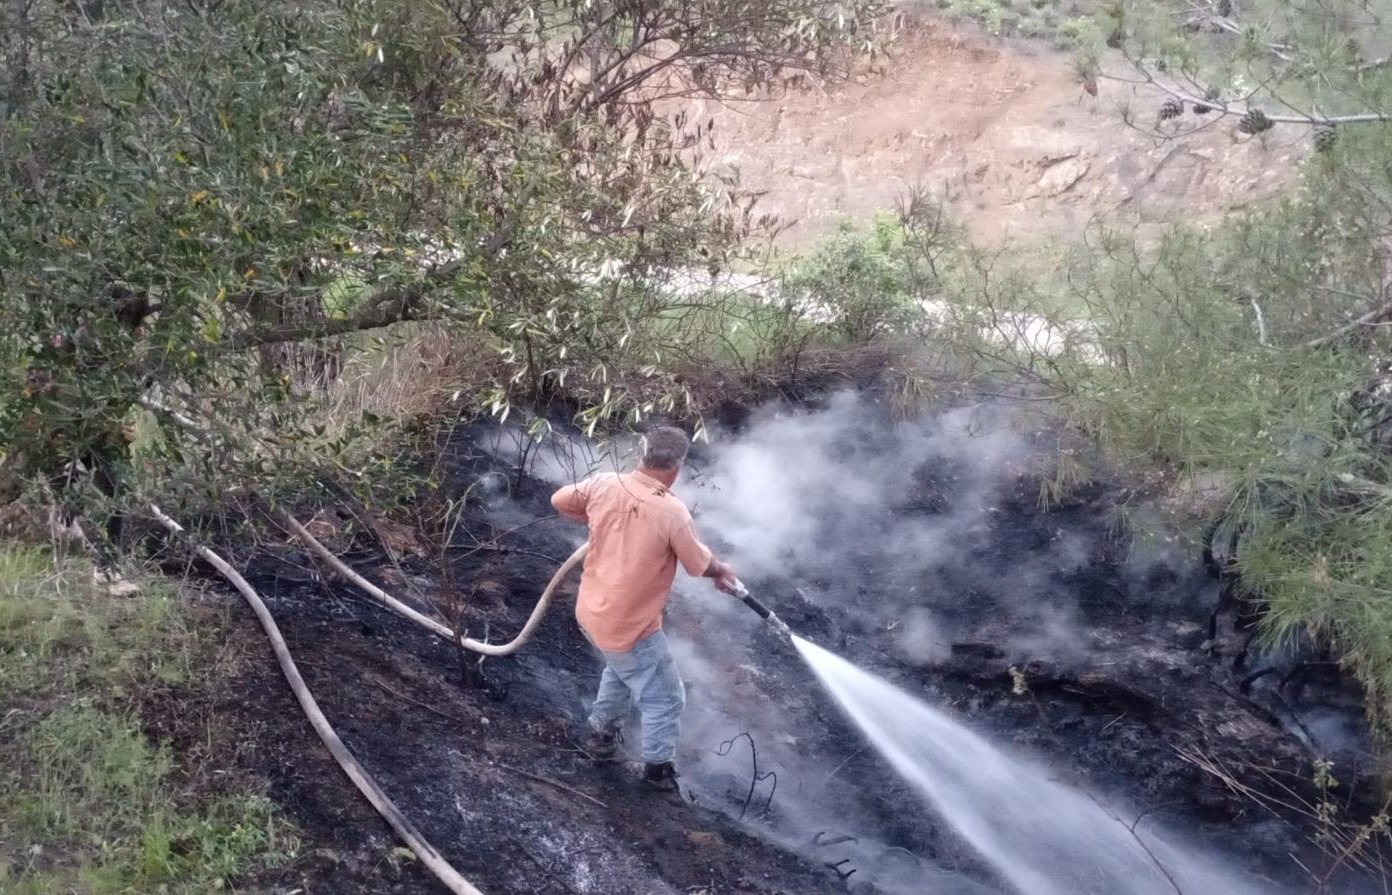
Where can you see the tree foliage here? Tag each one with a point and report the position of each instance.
(186, 188)
(1257, 350)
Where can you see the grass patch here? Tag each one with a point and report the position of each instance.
(88, 804)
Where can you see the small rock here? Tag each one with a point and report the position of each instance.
(704, 839)
(114, 584)
(1062, 177)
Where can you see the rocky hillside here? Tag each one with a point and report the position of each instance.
(1002, 130)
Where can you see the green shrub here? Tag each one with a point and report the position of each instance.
(857, 282)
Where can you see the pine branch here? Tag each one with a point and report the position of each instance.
(1280, 51)
(1223, 109)
(1376, 316)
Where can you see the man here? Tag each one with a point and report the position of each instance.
(639, 531)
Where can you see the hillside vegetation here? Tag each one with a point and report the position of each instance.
(252, 252)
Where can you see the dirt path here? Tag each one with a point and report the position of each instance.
(1002, 131)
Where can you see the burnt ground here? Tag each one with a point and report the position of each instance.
(489, 774)
(463, 762)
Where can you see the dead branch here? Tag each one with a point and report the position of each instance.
(550, 782)
(755, 776)
(1376, 316)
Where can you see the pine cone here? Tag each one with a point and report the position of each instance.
(1171, 108)
(1225, 8)
(1203, 108)
(1325, 137)
(1254, 122)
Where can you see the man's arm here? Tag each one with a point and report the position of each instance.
(570, 502)
(696, 558)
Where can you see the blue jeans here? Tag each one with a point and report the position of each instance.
(647, 673)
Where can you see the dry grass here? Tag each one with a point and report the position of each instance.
(423, 369)
(1343, 840)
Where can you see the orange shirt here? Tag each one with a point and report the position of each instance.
(638, 532)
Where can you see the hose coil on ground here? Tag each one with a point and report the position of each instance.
(430, 624)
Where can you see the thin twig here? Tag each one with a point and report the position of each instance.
(843, 763)
(1131, 829)
(429, 708)
(755, 777)
(556, 783)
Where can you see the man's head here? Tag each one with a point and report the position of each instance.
(664, 449)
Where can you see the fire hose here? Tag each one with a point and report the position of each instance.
(400, 608)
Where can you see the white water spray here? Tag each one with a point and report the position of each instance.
(1044, 837)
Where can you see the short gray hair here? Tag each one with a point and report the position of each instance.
(665, 448)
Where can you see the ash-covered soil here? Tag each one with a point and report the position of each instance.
(917, 551)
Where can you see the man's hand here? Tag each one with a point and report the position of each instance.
(724, 575)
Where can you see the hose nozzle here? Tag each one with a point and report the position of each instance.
(763, 611)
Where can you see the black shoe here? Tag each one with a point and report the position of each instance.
(600, 745)
(661, 775)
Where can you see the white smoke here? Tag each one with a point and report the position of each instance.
(786, 494)
(898, 527)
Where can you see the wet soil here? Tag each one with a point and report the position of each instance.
(1121, 702)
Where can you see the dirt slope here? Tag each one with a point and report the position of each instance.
(1002, 131)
